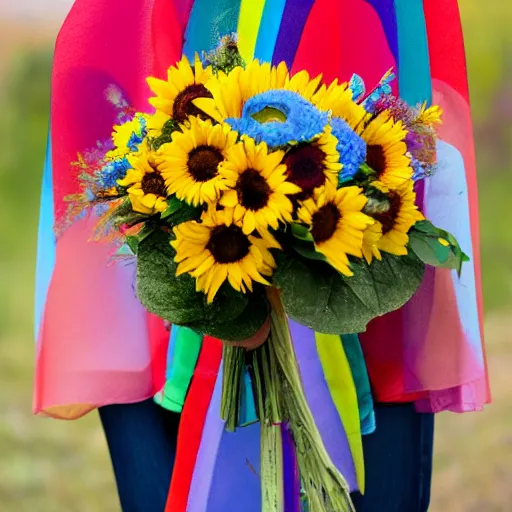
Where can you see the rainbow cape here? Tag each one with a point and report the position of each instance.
(95, 343)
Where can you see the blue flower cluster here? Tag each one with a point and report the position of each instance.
(279, 117)
(136, 139)
(421, 170)
(111, 172)
(351, 147)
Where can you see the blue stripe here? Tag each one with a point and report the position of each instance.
(414, 62)
(46, 241)
(208, 22)
(269, 29)
(414, 78)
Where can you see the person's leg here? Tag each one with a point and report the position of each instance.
(398, 460)
(142, 441)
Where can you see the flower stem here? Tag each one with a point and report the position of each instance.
(272, 485)
(232, 385)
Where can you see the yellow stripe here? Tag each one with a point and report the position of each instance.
(341, 385)
(249, 22)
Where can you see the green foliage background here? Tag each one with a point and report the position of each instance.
(56, 466)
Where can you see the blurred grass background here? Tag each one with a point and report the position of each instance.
(49, 466)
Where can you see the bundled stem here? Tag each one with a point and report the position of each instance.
(266, 385)
(279, 397)
(325, 488)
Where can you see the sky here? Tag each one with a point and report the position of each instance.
(33, 10)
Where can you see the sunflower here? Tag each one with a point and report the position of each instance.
(190, 162)
(386, 150)
(214, 251)
(338, 99)
(230, 92)
(371, 238)
(258, 195)
(395, 213)
(311, 164)
(302, 84)
(337, 223)
(147, 190)
(184, 84)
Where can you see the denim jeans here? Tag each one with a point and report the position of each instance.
(398, 457)
(142, 442)
(398, 461)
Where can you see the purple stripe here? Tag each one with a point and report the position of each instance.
(207, 455)
(386, 11)
(291, 473)
(319, 399)
(294, 19)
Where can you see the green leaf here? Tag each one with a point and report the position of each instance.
(425, 240)
(133, 241)
(429, 249)
(227, 305)
(174, 205)
(316, 295)
(308, 250)
(184, 213)
(366, 170)
(159, 289)
(243, 326)
(301, 232)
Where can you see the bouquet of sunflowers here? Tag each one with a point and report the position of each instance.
(252, 196)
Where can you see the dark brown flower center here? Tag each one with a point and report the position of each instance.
(325, 222)
(183, 106)
(228, 244)
(305, 167)
(388, 218)
(153, 183)
(376, 158)
(253, 190)
(203, 162)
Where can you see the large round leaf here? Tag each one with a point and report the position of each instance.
(244, 326)
(318, 296)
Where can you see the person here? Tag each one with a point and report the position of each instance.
(97, 347)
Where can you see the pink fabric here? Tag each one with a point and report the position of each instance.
(337, 50)
(95, 345)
